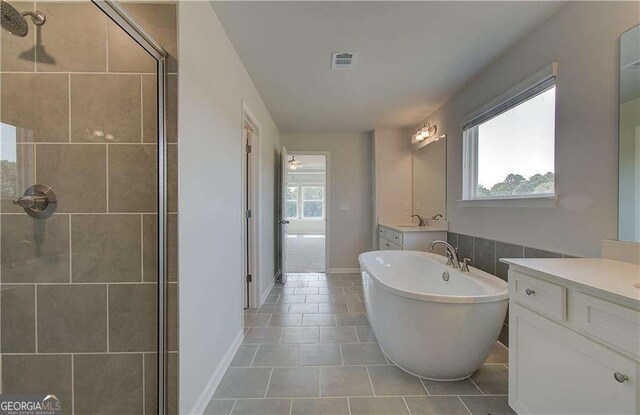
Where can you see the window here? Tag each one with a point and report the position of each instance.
(509, 149)
(312, 202)
(292, 202)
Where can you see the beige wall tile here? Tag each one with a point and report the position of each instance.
(37, 102)
(172, 178)
(74, 37)
(125, 55)
(106, 108)
(150, 247)
(122, 376)
(106, 248)
(77, 174)
(34, 250)
(150, 110)
(150, 367)
(172, 317)
(132, 178)
(18, 323)
(38, 374)
(17, 53)
(72, 318)
(133, 310)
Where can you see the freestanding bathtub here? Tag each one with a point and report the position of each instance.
(429, 327)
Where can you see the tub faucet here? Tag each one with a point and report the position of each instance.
(452, 253)
(420, 220)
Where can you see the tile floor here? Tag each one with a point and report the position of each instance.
(310, 350)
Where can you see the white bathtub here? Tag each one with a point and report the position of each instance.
(435, 329)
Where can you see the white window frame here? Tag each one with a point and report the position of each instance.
(297, 200)
(536, 84)
(302, 200)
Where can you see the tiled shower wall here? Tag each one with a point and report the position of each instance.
(78, 299)
(485, 254)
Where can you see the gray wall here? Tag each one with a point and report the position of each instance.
(583, 38)
(351, 174)
(213, 83)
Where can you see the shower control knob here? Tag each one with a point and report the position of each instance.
(39, 201)
(529, 291)
(620, 377)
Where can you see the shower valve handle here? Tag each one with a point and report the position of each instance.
(39, 201)
(32, 202)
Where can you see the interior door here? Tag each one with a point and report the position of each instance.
(248, 218)
(283, 213)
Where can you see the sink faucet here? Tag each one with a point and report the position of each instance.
(452, 253)
(438, 216)
(420, 220)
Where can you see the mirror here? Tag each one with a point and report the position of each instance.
(629, 130)
(429, 181)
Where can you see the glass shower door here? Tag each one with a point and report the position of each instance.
(79, 212)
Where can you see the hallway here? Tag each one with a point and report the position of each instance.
(310, 350)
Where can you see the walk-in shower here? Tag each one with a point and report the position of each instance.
(87, 207)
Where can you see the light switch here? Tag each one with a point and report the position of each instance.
(417, 205)
(407, 205)
(345, 206)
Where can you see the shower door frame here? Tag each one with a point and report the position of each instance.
(127, 23)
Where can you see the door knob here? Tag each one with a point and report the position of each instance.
(529, 291)
(284, 222)
(39, 201)
(620, 377)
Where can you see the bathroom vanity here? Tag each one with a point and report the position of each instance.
(409, 237)
(574, 336)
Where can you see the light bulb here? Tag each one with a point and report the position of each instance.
(420, 138)
(425, 131)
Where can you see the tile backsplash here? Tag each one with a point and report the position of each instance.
(485, 254)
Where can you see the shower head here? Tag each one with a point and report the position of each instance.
(14, 22)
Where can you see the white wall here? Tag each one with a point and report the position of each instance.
(350, 232)
(393, 193)
(213, 82)
(583, 38)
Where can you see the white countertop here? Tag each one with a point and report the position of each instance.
(413, 228)
(620, 279)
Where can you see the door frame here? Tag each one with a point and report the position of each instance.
(327, 201)
(255, 257)
(113, 10)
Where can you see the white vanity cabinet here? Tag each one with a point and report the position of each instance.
(408, 238)
(574, 336)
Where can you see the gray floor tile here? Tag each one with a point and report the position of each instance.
(320, 298)
(435, 405)
(276, 355)
(285, 320)
(356, 307)
(499, 354)
(330, 290)
(365, 334)
(482, 405)
(351, 320)
(391, 380)
(492, 379)
(362, 354)
(257, 335)
(319, 355)
(244, 355)
(243, 383)
(460, 387)
(274, 308)
(304, 308)
(353, 290)
(306, 290)
(262, 407)
(256, 320)
(377, 406)
(219, 407)
(345, 334)
(345, 381)
(316, 320)
(346, 298)
(330, 308)
(291, 298)
(301, 335)
(320, 406)
(293, 382)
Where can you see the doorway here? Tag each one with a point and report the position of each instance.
(306, 209)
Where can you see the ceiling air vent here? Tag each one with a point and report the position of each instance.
(342, 60)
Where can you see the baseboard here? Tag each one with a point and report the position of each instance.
(214, 381)
(265, 294)
(344, 270)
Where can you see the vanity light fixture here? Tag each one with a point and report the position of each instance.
(425, 132)
(293, 163)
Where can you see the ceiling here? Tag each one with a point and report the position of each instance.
(411, 56)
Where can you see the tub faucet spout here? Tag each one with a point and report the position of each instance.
(451, 251)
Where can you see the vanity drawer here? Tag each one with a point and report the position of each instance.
(612, 323)
(397, 238)
(545, 297)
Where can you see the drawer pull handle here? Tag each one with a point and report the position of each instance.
(529, 291)
(620, 377)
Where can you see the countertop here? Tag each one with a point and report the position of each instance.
(618, 279)
(413, 228)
